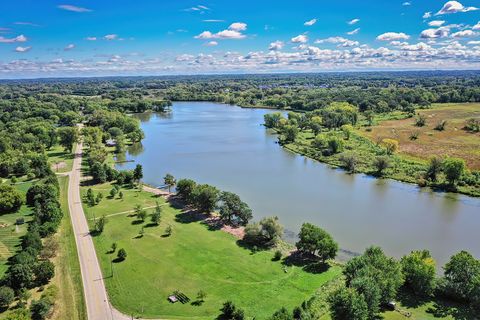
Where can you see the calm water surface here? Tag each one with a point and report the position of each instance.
(226, 146)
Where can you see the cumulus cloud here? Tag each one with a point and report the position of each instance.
(276, 45)
(435, 33)
(110, 37)
(91, 38)
(300, 39)
(477, 26)
(22, 49)
(391, 36)
(69, 47)
(406, 3)
(454, 7)
(427, 15)
(20, 38)
(353, 32)
(69, 7)
(464, 34)
(353, 21)
(233, 32)
(340, 41)
(436, 23)
(310, 22)
(211, 43)
(238, 26)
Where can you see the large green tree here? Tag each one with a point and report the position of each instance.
(10, 199)
(316, 241)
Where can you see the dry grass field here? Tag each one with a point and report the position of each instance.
(454, 141)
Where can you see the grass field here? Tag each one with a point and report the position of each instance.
(453, 141)
(10, 234)
(60, 160)
(193, 258)
(71, 302)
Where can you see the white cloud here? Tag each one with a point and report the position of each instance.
(69, 47)
(26, 23)
(300, 39)
(436, 23)
(454, 7)
(474, 42)
(464, 34)
(238, 26)
(111, 37)
(213, 20)
(353, 21)
(91, 38)
(407, 3)
(435, 33)
(69, 7)
(199, 8)
(390, 36)
(211, 44)
(22, 49)
(353, 32)
(275, 46)
(342, 42)
(477, 26)
(20, 38)
(310, 22)
(427, 15)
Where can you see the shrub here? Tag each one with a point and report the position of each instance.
(390, 145)
(277, 255)
(381, 163)
(6, 296)
(10, 199)
(122, 254)
(420, 120)
(440, 126)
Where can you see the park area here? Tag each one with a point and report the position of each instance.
(424, 141)
(192, 259)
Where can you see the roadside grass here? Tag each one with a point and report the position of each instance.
(68, 278)
(454, 141)
(60, 160)
(10, 234)
(193, 258)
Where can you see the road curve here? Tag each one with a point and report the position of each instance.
(96, 298)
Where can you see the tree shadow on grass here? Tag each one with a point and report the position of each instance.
(197, 303)
(118, 260)
(138, 236)
(408, 299)
(137, 222)
(95, 233)
(254, 248)
(88, 183)
(151, 225)
(190, 216)
(443, 308)
(176, 202)
(309, 263)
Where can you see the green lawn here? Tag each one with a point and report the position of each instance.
(10, 233)
(71, 302)
(193, 258)
(60, 160)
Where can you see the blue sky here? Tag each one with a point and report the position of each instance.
(146, 37)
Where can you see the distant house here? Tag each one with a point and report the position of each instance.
(111, 143)
(172, 299)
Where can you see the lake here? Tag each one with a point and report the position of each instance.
(227, 146)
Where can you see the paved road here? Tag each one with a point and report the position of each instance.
(96, 298)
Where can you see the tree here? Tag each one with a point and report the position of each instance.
(120, 195)
(370, 290)
(453, 169)
(231, 312)
(349, 161)
(138, 172)
(390, 145)
(142, 214)
(381, 163)
(122, 254)
(67, 137)
(168, 231)
(185, 189)
(289, 133)
(169, 181)
(347, 130)
(40, 309)
(44, 271)
(205, 198)
(271, 119)
(10, 199)
(419, 270)
(156, 215)
(20, 276)
(264, 233)
(281, 314)
(462, 276)
(346, 303)
(98, 198)
(6, 296)
(201, 295)
(113, 247)
(90, 197)
(384, 271)
(18, 314)
(316, 241)
(113, 192)
(232, 208)
(435, 167)
(100, 224)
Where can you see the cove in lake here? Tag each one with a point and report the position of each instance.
(227, 146)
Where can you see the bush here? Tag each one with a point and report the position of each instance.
(6, 296)
(264, 233)
(277, 255)
(420, 120)
(440, 126)
(381, 164)
(122, 254)
(10, 199)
